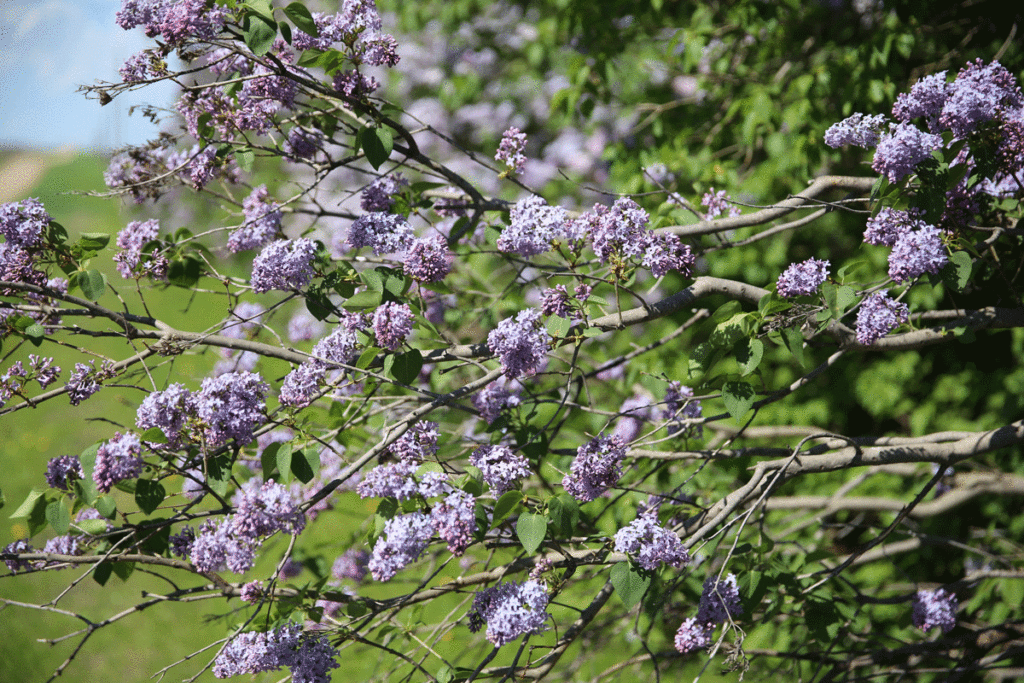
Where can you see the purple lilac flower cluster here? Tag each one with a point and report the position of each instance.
(85, 380)
(404, 539)
(803, 278)
(304, 327)
(175, 21)
(533, 227)
(917, 252)
(393, 479)
(303, 143)
(887, 226)
(309, 659)
(116, 460)
(169, 410)
(22, 223)
(352, 564)
(719, 602)
(17, 565)
(231, 407)
(454, 519)
(377, 196)
(300, 385)
(418, 443)
(901, 149)
(16, 377)
(501, 467)
(680, 406)
(718, 203)
(385, 233)
(130, 241)
(284, 265)
(860, 130)
(262, 222)
(878, 316)
(392, 323)
(510, 610)
(634, 411)
(980, 93)
(935, 608)
(264, 509)
(651, 544)
(510, 151)
(520, 343)
(63, 470)
(357, 27)
(17, 265)
(596, 468)
(428, 260)
(494, 398)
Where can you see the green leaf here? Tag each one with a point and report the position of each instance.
(92, 284)
(772, 303)
(958, 272)
(30, 504)
(445, 674)
(306, 464)
(149, 494)
(35, 333)
(531, 529)
(630, 583)
(259, 32)
(153, 435)
(218, 474)
(244, 157)
(749, 355)
(367, 357)
(93, 527)
(564, 513)
(106, 506)
(838, 298)
(101, 573)
(93, 241)
(364, 299)
(738, 398)
(184, 272)
(268, 459)
(558, 327)
(406, 367)
(123, 569)
(58, 516)
(795, 343)
(301, 17)
(376, 143)
(505, 505)
(284, 463)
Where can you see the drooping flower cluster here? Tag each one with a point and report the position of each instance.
(231, 407)
(510, 151)
(262, 222)
(175, 21)
(351, 564)
(428, 260)
(131, 241)
(887, 226)
(979, 94)
(355, 30)
(404, 539)
(378, 197)
(418, 443)
(860, 130)
(264, 509)
(301, 384)
(935, 608)
(501, 467)
(63, 470)
(397, 480)
(878, 316)
(494, 398)
(520, 343)
(309, 659)
(285, 265)
(719, 602)
(651, 544)
(803, 278)
(303, 143)
(533, 227)
(169, 410)
(385, 233)
(454, 519)
(925, 100)
(85, 380)
(596, 468)
(718, 203)
(679, 406)
(901, 149)
(16, 378)
(22, 223)
(116, 460)
(917, 252)
(19, 546)
(510, 610)
(392, 323)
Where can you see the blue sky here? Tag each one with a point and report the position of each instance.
(47, 49)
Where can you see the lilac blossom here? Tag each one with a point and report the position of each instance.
(62, 470)
(262, 222)
(935, 608)
(377, 196)
(244, 320)
(665, 252)
(394, 479)
(64, 545)
(181, 542)
(494, 398)
(251, 592)
(901, 149)
(303, 326)
(520, 343)
(202, 166)
(428, 260)
(309, 659)
(917, 252)
(803, 278)
(651, 544)
(979, 93)
(303, 143)
(635, 411)
(510, 151)
(302, 384)
(680, 406)
(886, 227)
(392, 323)
(353, 83)
(264, 509)
(217, 547)
(693, 635)
(719, 601)
(142, 66)
(510, 610)
(22, 223)
(717, 204)
(597, 467)
(116, 460)
(533, 226)
(385, 233)
(19, 546)
(621, 229)
(285, 265)
(878, 316)
(925, 99)
(404, 539)
(352, 564)
(556, 301)
(418, 443)
(501, 467)
(17, 265)
(131, 241)
(454, 519)
(231, 407)
(169, 410)
(861, 130)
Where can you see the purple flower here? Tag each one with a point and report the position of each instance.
(510, 610)
(935, 608)
(597, 467)
(231, 407)
(520, 343)
(22, 223)
(533, 226)
(393, 479)
(901, 149)
(302, 143)
(63, 545)
(377, 196)
(719, 601)
(979, 93)
(886, 227)
(621, 230)
(428, 260)
(635, 411)
(252, 592)
(354, 84)
(926, 98)
(803, 278)
(185, 19)
(385, 233)
(141, 66)
(501, 467)
(879, 315)
(217, 547)
(285, 265)
(117, 460)
(352, 564)
(392, 323)
(19, 546)
(404, 540)
(245, 318)
(181, 542)
(17, 265)
(679, 406)
(62, 470)
(417, 443)
(717, 204)
(302, 384)
(556, 301)
(263, 509)
(303, 326)
(494, 398)
(340, 346)
(309, 659)
(262, 222)
(917, 252)
(131, 240)
(666, 252)
(693, 635)
(651, 544)
(510, 151)
(860, 130)
(454, 519)
(169, 410)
